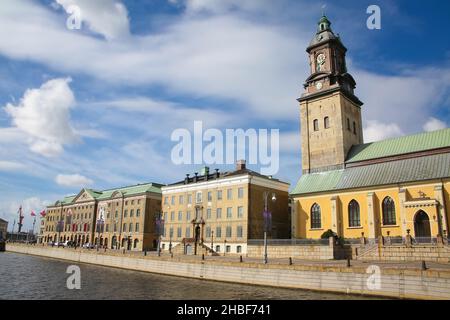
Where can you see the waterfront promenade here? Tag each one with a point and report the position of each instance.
(389, 279)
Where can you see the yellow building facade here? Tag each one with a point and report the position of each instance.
(223, 210)
(391, 188)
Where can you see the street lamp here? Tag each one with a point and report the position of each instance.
(159, 230)
(267, 215)
(212, 241)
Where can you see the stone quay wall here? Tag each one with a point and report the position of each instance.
(392, 282)
(402, 253)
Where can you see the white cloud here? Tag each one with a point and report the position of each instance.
(73, 180)
(10, 166)
(44, 115)
(376, 131)
(434, 124)
(107, 17)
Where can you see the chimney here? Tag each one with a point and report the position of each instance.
(240, 165)
(186, 180)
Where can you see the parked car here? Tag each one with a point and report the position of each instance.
(88, 246)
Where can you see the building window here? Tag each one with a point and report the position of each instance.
(198, 197)
(389, 212)
(316, 125)
(348, 124)
(229, 213)
(218, 232)
(172, 200)
(126, 202)
(240, 193)
(240, 212)
(131, 227)
(354, 127)
(354, 219)
(326, 122)
(124, 227)
(171, 232)
(189, 198)
(180, 200)
(316, 219)
(219, 213)
(188, 216)
(228, 248)
(217, 248)
(179, 232)
(125, 213)
(137, 227)
(228, 232)
(115, 227)
(239, 231)
(188, 232)
(107, 228)
(180, 215)
(172, 216)
(208, 213)
(239, 249)
(219, 194)
(209, 196)
(229, 194)
(138, 212)
(208, 232)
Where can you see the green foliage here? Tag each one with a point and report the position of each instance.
(327, 234)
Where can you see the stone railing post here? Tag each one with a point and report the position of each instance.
(387, 240)
(439, 241)
(408, 239)
(363, 239)
(332, 242)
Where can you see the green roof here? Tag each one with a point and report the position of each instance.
(386, 173)
(131, 190)
(403, 145)
(127, 191)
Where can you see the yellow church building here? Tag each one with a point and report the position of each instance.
(393, 187)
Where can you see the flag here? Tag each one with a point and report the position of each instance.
(33, 214)
(20, 211)
(42, 213)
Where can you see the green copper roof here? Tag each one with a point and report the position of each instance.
(137, 189)
(385, 173)
(392, 147)
(127, 191)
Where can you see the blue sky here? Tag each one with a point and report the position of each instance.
(96, 107)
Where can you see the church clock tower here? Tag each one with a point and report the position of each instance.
(329, 110)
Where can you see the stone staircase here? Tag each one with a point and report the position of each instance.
(201, 249)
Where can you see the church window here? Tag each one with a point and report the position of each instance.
(388, 212)
(316, 220)
(354, 218)
(354, 127)
(326, 122)
(316, 125)
(348, 124)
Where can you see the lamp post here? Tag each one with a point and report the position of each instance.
(267, 220)
(212, 241)
(159, 230)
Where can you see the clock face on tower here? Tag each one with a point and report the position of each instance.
(320, 62)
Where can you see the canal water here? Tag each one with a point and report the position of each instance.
(31, 277)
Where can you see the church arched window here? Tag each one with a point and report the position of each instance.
(354, 127)
(316, 125)
(316, 219)
(354, 217)
(326, 122)
(388, 212)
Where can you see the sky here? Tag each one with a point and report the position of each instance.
(96, 106)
